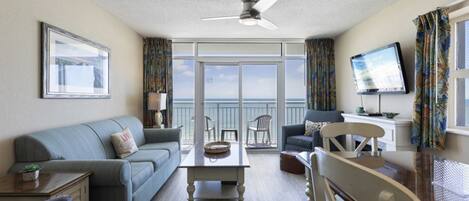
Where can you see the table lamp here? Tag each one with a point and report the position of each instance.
(157, 102)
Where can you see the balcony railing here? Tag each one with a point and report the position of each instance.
(225, 114)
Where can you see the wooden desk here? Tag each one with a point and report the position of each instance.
(414, 170)
(206, 172)
(49, 185)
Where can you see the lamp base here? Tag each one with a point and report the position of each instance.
(158, 120)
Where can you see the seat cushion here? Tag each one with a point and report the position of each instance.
(172, 147)
(156, 157)
(301, 140)
(141, 172)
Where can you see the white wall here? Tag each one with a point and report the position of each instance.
(21, 109)
(393, 24)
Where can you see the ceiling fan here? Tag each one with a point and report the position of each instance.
(251, 14)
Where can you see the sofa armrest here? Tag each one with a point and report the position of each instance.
(104, 172)
(291, 130)
(155, 135)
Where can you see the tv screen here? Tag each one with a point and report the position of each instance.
(379, 71)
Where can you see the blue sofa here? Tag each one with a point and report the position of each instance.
(88, 147)
(293, 138)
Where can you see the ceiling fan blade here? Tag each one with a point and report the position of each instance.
(267, 24)
(263, 5)
(220, 18)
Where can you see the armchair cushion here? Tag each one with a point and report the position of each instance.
(301, 141)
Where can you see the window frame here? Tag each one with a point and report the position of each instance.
(454, 74)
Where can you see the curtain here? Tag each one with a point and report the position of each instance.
(431, 79)
(157, 77)
(320, 73)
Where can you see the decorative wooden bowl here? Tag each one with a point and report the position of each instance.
(217, 147)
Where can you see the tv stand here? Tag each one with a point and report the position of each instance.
(376, 114)
(396, 132)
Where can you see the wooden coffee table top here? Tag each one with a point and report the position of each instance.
(236, 157)
(47, 184)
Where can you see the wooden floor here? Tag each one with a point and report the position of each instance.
(264, 182)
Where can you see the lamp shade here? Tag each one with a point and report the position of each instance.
(156, 101)
(163, 101)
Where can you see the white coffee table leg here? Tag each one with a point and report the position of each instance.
(190, 184)
(240, 186)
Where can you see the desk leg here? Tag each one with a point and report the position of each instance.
(309, 185)
(241, 187)
(190, 184)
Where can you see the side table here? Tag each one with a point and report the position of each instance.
(49, 185)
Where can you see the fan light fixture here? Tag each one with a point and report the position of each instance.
(248, 21)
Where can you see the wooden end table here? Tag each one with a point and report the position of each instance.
(216, 176)
(49, 185)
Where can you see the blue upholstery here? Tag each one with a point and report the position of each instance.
(69, 143)
(104, 129)
(88, 147)
(156, 157)
(141, 172)
(172, 147)
(293, 137)
(135, 126)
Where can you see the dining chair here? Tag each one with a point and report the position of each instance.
(262, 126)
(356, 181)
(368, 131)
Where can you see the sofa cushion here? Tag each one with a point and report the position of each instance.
(156, 157)
(141, 172)
(172, 147)
(301, 140)
(104, 129)
(135, 127)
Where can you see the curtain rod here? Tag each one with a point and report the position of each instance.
(456, 5)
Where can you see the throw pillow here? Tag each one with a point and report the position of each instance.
(311, 127)
(124, 143)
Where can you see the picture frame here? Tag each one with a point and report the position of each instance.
(73, 67)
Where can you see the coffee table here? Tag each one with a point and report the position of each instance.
(216, 176)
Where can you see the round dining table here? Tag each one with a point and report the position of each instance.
(428, 174)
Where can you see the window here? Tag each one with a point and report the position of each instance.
(261, 64)
(459, 74)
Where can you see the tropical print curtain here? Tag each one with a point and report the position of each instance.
(320, 73)
(157, 77)
(431, 79)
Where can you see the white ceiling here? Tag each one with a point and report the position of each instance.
(295, 18)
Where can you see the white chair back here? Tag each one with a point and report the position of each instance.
(368, 131)
(358, 182)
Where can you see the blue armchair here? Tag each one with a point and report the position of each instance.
(293, 138)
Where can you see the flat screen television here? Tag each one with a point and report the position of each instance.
(380, 71)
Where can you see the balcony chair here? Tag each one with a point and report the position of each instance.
(210, 128)
(293, 138)
(262, 126)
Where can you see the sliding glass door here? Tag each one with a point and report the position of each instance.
(239, 102)
(221, 102)
(260, 105)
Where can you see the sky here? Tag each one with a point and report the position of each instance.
(221, 82)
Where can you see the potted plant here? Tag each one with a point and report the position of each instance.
(31, 172)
